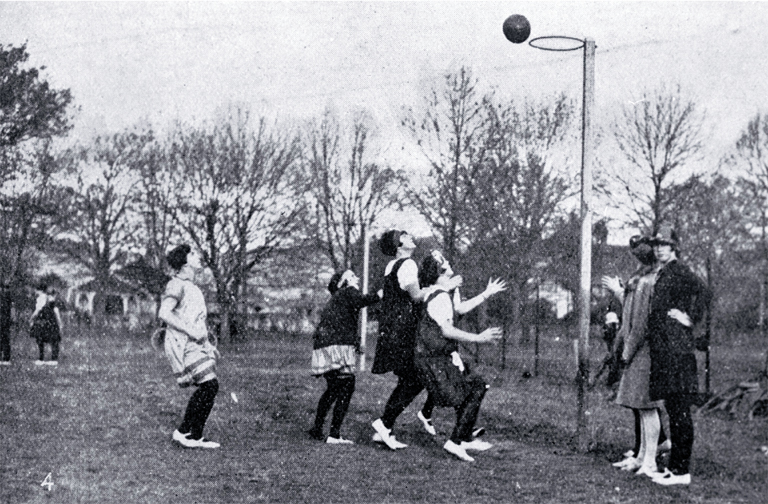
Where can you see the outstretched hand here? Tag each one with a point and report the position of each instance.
(491, 334)
(494, 287)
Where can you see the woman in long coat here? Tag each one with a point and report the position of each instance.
(634, 385)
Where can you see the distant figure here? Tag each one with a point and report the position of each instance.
(335, 348)
(191, 354)
(6, 303)
(46, 325)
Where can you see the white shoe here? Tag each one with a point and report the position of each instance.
(626, 462)
(5, 363)
(665, 446)
(203, 443)
(338, 440)
(427, 423)
(51, 363)
(457, 450)
(183, 440)
(39, 363)
(476, 445)
(377, 439)
(668, 478)
(385, 436)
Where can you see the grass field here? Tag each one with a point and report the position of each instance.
(100, 424)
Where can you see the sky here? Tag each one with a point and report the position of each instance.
(160, 62)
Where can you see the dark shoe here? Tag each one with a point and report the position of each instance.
(315, 434)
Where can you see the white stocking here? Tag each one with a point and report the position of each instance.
(650, 426)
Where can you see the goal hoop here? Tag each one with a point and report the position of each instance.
(558, 43)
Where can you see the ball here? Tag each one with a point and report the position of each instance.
(516, 28)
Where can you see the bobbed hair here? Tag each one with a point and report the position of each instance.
(177, 257)
(390, 242)
(430, 271)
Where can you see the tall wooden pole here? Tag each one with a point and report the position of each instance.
(364, 311)
(586, 242)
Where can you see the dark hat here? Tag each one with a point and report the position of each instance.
(641, 248)
(333, 285)
(390, 241)
(666, 235)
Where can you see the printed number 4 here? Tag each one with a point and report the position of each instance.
(47, 482)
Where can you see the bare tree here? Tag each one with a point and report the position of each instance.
(240, 199)
(658, 135)
(30, 109)
(515, 192)
(29, 210)
(154, 199)
(350, 190)
(101, 230)
(448, 130)
(751, 154)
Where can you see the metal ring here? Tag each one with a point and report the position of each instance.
(581, 42)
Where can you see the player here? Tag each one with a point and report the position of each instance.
(191, 354)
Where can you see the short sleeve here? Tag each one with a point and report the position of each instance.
(174, 289)
(440, 309)
(408, 274)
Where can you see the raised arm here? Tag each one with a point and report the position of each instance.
(440, 311)
(494, 287)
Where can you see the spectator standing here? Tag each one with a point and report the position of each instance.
(679, 301)
(45, 325)
(635, 358)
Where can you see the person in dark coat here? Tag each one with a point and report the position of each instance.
(335, 348)
(679, 301)
(46, 325)
(398, 322)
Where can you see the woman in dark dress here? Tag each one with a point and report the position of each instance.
(46, 326)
